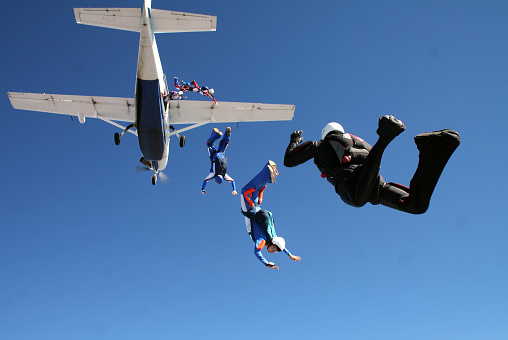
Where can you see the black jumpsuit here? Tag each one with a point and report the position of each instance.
(357, 181)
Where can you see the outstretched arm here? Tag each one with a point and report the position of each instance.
(232, 181)
(297, 153)
(209, 177)
(203, 187)
(291, 256)
(258, 246)
(261, 258)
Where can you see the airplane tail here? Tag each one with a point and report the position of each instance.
(130, 19)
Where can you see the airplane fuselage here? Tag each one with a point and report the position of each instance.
(152, 120)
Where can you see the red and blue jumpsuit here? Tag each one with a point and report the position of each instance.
(258, 221)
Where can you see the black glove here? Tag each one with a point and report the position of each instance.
(389, 127)
(296, 137)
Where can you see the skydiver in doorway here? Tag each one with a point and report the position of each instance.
(259, 222)
(218, 160)
(352, 166)
(173, 95)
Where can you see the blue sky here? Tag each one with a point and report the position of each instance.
(89, 249)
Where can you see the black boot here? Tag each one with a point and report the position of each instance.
(436, 148)
(389, 128)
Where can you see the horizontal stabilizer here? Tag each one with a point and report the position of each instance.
(129, 19)
(194, 112)
(169, 21)
(113, 108)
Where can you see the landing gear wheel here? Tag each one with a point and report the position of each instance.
(154, 179)
(182, 141)
(117, 138)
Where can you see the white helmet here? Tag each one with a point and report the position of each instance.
(331, 127)
(279, 242)
(211, 91)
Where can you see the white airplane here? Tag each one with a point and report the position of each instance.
(147, 112)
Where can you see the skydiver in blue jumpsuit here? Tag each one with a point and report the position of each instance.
(259, 222)
(219, 162)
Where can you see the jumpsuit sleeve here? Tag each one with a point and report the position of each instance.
(231, 180)
(209, 177)
(260, 243)
(287, 252)
(298, 154)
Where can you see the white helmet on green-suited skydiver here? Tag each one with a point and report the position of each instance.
(332, 126)
(279, 242)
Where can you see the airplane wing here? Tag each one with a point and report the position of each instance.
(106, 108)
(196, 112)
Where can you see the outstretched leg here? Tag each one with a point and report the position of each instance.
(225, 140)
(216, 134)
(392, 195)
(367, 178)
(435, 150)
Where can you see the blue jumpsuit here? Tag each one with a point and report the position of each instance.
(218, 173)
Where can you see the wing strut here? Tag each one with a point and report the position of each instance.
(176, 132)
(135, 133)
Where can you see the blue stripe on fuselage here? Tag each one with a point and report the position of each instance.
(150, 121)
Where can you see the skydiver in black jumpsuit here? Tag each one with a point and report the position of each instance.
(352, 166)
